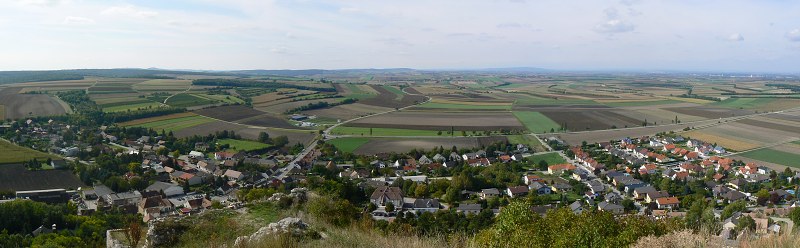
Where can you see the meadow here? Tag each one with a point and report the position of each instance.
(243, 145)
(12, 153)
(775, 156)
(348, 144)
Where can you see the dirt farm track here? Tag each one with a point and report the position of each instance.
(25, 105)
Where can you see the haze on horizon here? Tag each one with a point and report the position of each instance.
(715, 35)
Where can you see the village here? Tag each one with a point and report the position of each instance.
(662, 176)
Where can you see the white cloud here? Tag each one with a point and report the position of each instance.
(793, 35)
(349, 10)
(129, 10)
(77, 20)
(614, 26)
(736, 37)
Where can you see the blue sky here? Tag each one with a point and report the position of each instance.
(711, 35)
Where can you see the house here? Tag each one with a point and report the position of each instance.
(517, 191)
(154, 203)
(612, 198)
(691, 156)
(561, 187)
(517, 157)
(652, 196)
(610, 207)
(223, 155)
(576, 207)
(424, 160)
(454, 157)
(426, 205)
(469, 208)
(733, 196)
(478, 162)
(560, 168)
(438, 158)
(596, 186)
(168, 189)
(233, 175)
(489, 193)
(474, 155)
(185, 178)
(384, 194)
(737, 183)
(528, 179)
(648, 169)
(668, 202)
(540, 188)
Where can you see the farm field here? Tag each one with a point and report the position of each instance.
(437, 121)
(551, 158)
(176, 124)
(348, 144)
(247, 132)
(2, 112)
(245, 115)
(365, 131)
(775, 156)
(436, 105)
(347, 111)
(536, 122)
(132, 106)
(613, 103)
(184, 100)
(761, 104)
(14, 177)
(19, 106)
(575, 138)
(391, 99)
(710, 112)
(163, 85)
(576, 120)
(242, 145)
(153, 119)
(282, 108)
(12, 153)
(384, 145)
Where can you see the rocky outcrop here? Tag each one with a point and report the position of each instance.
(297, 195)
(290, 225)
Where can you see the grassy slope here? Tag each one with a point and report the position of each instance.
(527, 140)
(394, 90)
(348, 144)
(12, 153)
(242, 145)
(775, 156)
(536, 122)
(357, 92)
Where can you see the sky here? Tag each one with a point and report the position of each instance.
(627, 35)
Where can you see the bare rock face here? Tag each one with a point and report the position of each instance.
(291, 225)
(297, 195)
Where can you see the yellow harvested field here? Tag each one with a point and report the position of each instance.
(157, 118)
(691, 100)
(436, 90)
(723, 141)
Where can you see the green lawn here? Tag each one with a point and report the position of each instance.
(348, 144)
(464, 106)
(177, 123)
(365, 131)
(12, 153)
(132, 106)
(775, 156)
(536, 122)
(640, 103)
(242, 145)
(187, 100)
(744, 103)
(550, 158)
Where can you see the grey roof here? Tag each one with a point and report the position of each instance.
(577, 206)
(426, 203)
(102, 190)
(608, 206)
(469, 207)
(491, 191)
(159, 186)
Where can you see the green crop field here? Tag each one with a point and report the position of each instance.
(775, 156)
(365, 131)
(177, 123)
(549, 101)
(536, 122)
(551, 158)
(744, 103)
(187, 100)
(242, 145)
(220, 98)
(348, 144)
(358, 93)
(394, 90)
(463, 106)
(131, 106)
(640, 103)
(12, 153)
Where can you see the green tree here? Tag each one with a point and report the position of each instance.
(389, 207)
(763, 197)
(746, 223)
(263, 137)
(734, 207)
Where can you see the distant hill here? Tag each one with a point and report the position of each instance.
(9, 77)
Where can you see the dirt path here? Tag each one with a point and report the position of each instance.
(326, 133)
(167, 99)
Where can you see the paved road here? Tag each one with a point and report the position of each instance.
(283, 172)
